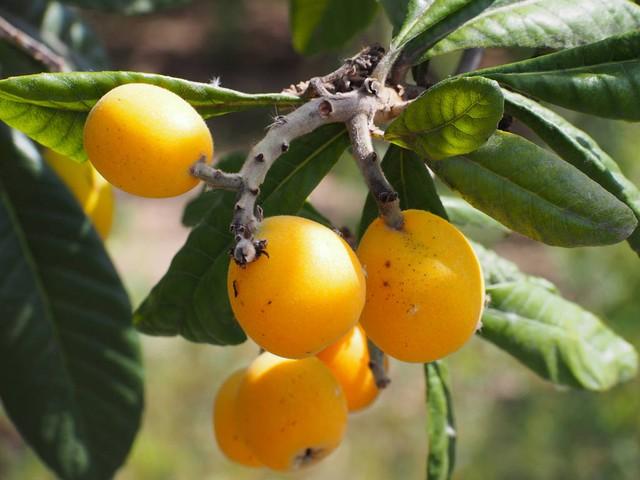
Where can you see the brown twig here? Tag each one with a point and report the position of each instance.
(348, 77)
(358, 108)
(216, 178)
(385, 196)
(32, 47)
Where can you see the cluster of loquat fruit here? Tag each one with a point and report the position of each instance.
(311, 303)
(418, 293)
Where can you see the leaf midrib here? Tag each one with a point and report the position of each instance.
(442, 126)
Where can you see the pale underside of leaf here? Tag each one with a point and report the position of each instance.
(557, 339)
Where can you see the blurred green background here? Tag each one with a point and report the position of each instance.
(511, 425)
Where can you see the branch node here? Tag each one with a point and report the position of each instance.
(388, 197)
(372, 86)
(325, 109)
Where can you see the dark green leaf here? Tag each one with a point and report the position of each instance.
(322, 25)
(69, 35)
(600, 78)
(452, 118)
(198, 208)
(128, 7)
(52, 108)
(14, 62)
(428, 22)
(440, 422)
(579, 149)
(70, 371)
(409, 176)
(191, 299)
(310, 212)
(555, 338)
(553, 24)
(464, 215)
(61, 29)
(532, 191)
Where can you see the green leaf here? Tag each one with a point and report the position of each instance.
(68, 34)
(322, 25)
(427, 22)
(70, 371)
(14, 62)
(440, 424)
(532, 191)
(208, 200)
(428, 16)
(599, 79)
(409, 176)
(452, 118)
(191, 299)
(128, 7)
(52, 108)
(556, 338)
(310, 212)
(579, 149)
(555, 24)
(464, 215)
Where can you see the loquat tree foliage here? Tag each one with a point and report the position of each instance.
(71, 377)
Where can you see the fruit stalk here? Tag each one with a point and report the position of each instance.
(376, 364)
(216, 178)
(385, 196)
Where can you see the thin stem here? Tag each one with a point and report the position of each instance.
(385, 196)
(217, 178)
(470, 60)
(385, 66)
(32, 47)
(348, 77)
(376, 364)
(308, 117)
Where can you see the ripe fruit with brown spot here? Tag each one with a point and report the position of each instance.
(292, 412)
(93, 193)
(303, 296)
(143, 139)
(225, 423)
(348, 360)
(425, 290)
